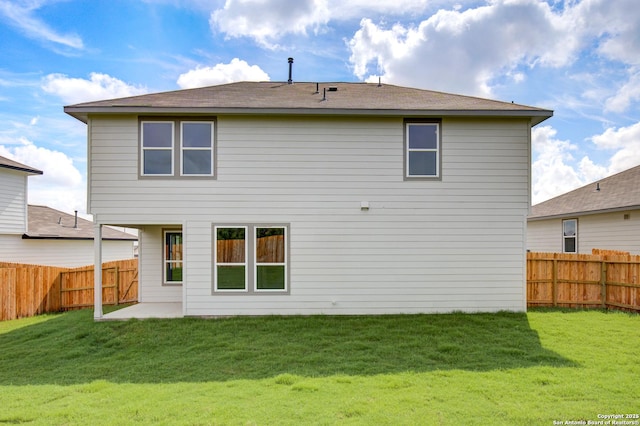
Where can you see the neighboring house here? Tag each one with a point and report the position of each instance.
(333, 198)
(44, 236)
(602, 215)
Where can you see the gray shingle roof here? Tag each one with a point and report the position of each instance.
(307, 98)
(47, 223)
(618, 192)
(5, 163)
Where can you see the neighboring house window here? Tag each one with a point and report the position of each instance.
(570, 236)
(189, 144)
(250, 258)
(173, 257)
(422, 150)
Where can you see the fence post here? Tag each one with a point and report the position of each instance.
(554, 280)
(603, 283)
(117, 280)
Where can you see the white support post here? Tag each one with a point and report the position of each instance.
(97, 272)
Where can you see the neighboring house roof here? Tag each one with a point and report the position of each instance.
(614, 193)
(5, 163)
(308, 98)
(48, 223)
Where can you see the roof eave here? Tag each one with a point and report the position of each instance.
(82, 113)
(22, 169)
(61, 237)
(583, 213)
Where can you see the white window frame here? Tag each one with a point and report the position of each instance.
(255, 260)
(177, 149)
(210, 148)
(144, 149)
(565, 237)
(166, 261)
(245, 264)
(251, 261)
(409, 150)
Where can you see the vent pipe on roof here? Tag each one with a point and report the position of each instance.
(598, 186)
(75, 224)
(290, 81)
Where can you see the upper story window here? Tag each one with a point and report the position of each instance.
(157, 148)
(170, 148)
(422, 150)
(570, 236)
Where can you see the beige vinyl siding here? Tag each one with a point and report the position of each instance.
(64, 253)
(423, 246)
(608, 231)
(546, 236)
(13, 202)
(150, 267)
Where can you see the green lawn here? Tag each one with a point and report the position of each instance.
(457, 369)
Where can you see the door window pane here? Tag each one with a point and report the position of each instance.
(173, 257)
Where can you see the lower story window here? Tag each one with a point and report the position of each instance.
(231, 258)
(570, 236)
(271, 268)
(173, 257)
(250, 258)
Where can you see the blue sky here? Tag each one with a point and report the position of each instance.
(580, 58)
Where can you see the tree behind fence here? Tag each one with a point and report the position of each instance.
(28, 290)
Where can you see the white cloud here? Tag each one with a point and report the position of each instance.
(555, 170)
(266, 21)
(462, 51)
(616, 24)
(626, 94)
(236, 70)
(552, 173)
(625, 141)
(21, 15)
(98, 87)
(61, 186)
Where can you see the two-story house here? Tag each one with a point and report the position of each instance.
(259, 198)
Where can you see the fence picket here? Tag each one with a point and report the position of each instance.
(608, 279)
(27, 290)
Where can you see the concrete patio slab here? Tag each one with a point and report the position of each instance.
(146, 310)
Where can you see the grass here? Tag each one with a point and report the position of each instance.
(504, 368)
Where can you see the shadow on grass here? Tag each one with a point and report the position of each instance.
(72, 349)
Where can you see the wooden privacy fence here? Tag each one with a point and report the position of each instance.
(268, 249)
(605, 280)
(27, 290)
